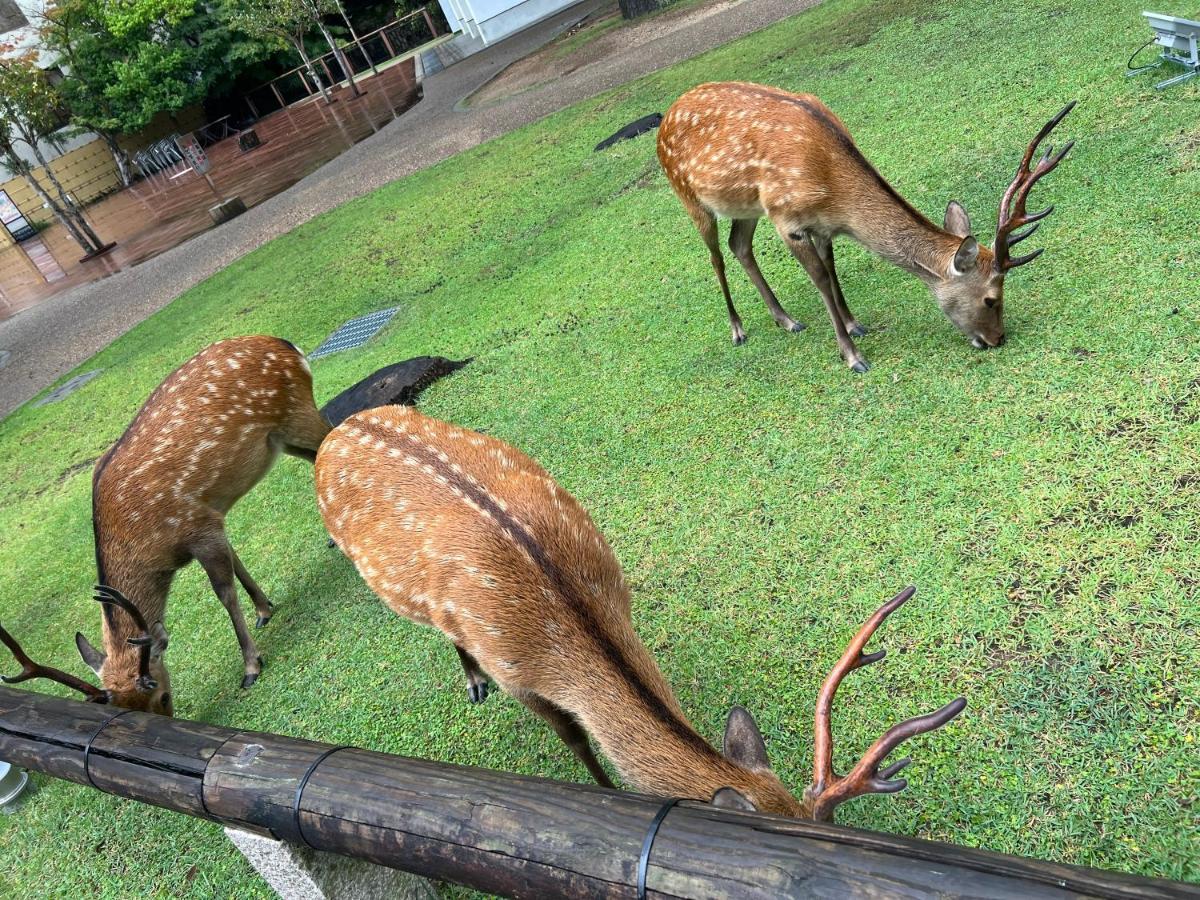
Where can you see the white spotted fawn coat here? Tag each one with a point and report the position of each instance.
(160, 495)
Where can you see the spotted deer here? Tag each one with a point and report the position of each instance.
(160, 495)
(745, 151)
(462, 532)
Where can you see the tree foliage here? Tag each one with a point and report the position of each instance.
(31, 114)
(284, 23)
(125, 62)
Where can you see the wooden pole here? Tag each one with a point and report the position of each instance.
(507, 834)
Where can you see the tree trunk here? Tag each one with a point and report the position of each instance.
(354, 36)
(119, 157)
(69, 205)
(631, 9)
(298, 43)
(340, 57)
(63, 217)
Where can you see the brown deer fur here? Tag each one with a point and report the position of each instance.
(460, 531)
(160, 494)
(744, 151)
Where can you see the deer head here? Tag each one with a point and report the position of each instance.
(971, 290)
(764, 792)
(133, 678)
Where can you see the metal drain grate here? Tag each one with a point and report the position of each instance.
(355, 332)
(67, 388)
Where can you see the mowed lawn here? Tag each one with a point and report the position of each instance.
(763, 500)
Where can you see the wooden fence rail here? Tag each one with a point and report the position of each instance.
(507, 834)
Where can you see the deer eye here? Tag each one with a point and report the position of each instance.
(990, 302)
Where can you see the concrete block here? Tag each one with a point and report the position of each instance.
(230, 209)
(298, 873)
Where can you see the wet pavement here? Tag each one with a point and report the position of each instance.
(50, 339)
(167, 208)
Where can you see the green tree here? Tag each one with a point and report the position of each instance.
(285, 23)
(127, 61)
(31, 113)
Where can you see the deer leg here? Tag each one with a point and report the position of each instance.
(741, 242)
(824, 247)
(706, 222)
(477, 683)
(572, 734)
(217, 562)
(262, 605)
(802, 248)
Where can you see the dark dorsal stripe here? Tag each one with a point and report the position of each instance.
(563, 589)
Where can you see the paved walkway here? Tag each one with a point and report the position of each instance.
(51, 339)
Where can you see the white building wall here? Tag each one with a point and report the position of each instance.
(494, 20)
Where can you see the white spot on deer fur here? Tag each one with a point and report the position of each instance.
(232, 363)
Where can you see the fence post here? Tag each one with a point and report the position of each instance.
(429, 21)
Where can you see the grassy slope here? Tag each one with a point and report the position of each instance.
(1045, 497)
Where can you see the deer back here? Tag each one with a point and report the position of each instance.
(747, 150)
(463, 532)
(206, 435)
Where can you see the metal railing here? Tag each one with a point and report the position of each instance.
(382, 45)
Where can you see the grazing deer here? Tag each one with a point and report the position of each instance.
(462, 532)
(160, 494)
(745, 151)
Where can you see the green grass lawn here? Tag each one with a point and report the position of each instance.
(763, 500)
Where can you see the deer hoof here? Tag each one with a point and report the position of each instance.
(793, 326)
(249, 680)
(858, 330)
(477, 693)
(739, 339)
(861, 366)
(332, 543)
(261, 621)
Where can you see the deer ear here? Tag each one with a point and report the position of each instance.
(93, 657)
(957, 221)
(966, 256)
(158, 646)
(744, 743)
(730, 798)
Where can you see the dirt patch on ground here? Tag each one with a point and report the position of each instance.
(595, 37)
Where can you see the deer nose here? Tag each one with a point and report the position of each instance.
(1000, 340)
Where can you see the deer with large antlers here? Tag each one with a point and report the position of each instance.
(462, 532)
(745, 151)
(160, 495)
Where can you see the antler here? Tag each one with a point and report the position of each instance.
(1012, 206)
(830, 789)
(30, 669)
(113, 597)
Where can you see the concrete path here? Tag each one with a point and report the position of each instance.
(49, 340)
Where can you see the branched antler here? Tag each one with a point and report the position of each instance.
(829, 789)
(30, 669)
(144, 642)
(1012, 206)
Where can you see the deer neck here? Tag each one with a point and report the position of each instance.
(635, 719)
(887, 225)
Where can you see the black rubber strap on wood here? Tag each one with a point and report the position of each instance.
(87, 751)
(300, 791)
(648, 843)
(215, 754)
